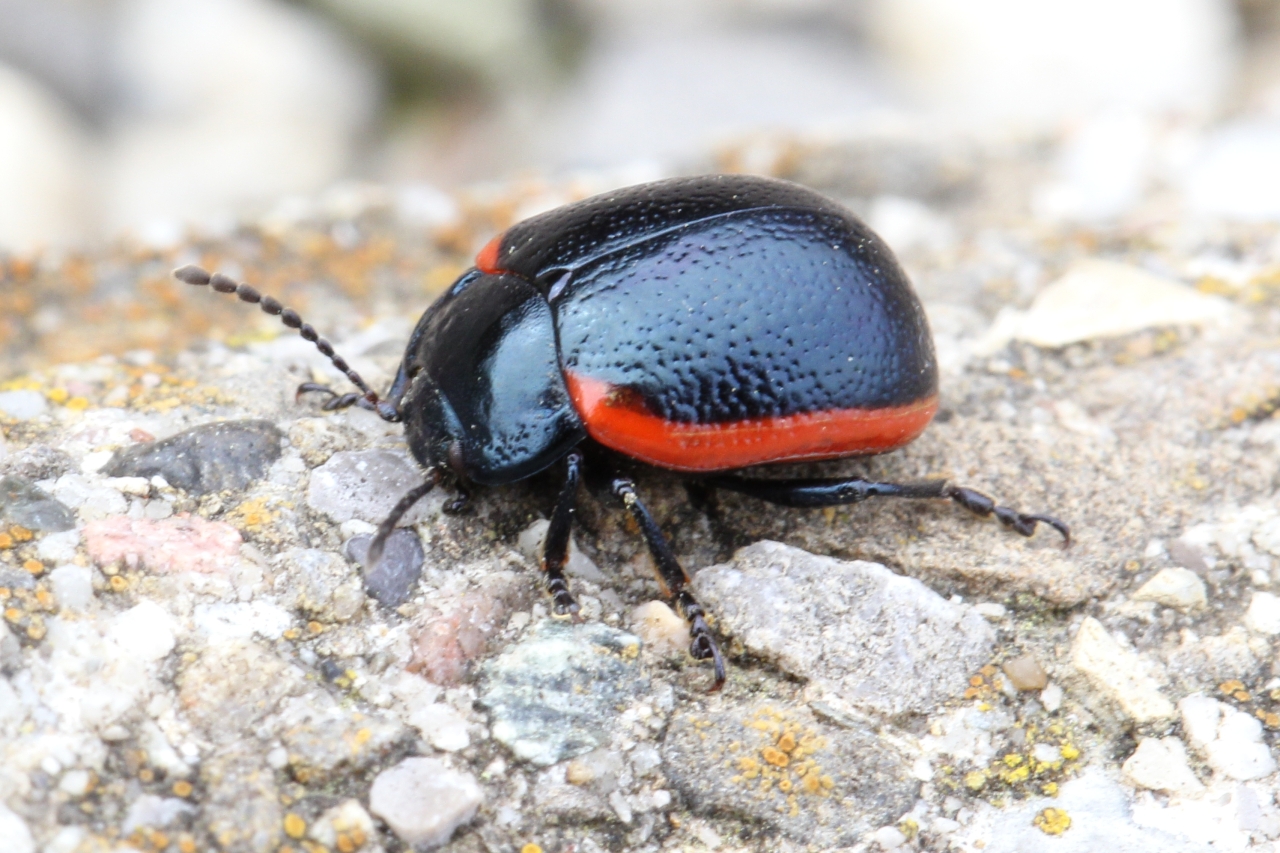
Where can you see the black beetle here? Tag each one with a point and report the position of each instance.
(701, 325)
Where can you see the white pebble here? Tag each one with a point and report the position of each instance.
(1230, 740)
(17, 838)
(72, 586)
(991, 611)
(22, 405)
(58, 547)
(1263, 615)
(1181, 589)
(1119, 673)
(620, 807)
(889, 837)
(144, 631)
(1046, 753)
(1051, 697)
(75, 783)
(660, 628)
(1160, 764)
(423, 800)
(441, 725)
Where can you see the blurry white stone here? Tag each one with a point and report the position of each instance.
(58, 547)
(1100, 299)
(1051, 697)
(423, 800)
(75, 783)
(144, 631)
(17, 838)
(1235, 175)
(348, 817)
(906, 224)
(1230, 740)
(236, 102)
(990, 610)
(72, 586)
(1160, 764)
(1181, 589)
(1103, 169)
(1118, 673)
(660, 628)
(44, 169)
(19, 405)
(424, 206)
(155, 812)
(1263, 615)
(441, 725)
(888, 838)
(1035, 63)
(11, 710)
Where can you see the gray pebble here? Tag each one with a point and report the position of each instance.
(556, 693)
(778, 765)
(25, 504)
(878, 640)
(365, 484)
(391, 582)
(204, 459)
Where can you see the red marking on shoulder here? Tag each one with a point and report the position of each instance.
(616, 418)
(487, 258)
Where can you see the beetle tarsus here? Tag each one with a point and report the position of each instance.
(1022, 522)
(555, 546)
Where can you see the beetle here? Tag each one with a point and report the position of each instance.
(702, 325)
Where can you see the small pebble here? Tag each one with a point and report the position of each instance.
(366, 485)
(1118, 673)
(76, 783)
(889, 838)
(1025, 673)
(73, 586)
(660, 628)
(25, 504)
(1051, 698)
(211, 458)
(423, 800)
(441, 725)
(1231, 741)
(991, 611)
(1160, 764)
(17, 838)
(392, 581)
(22, 405)
(1263, 615)
(535, 696)
(1181, 589)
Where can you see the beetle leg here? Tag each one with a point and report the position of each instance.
(673, 579)
(555, 548)
(834, 492)
(388, 525)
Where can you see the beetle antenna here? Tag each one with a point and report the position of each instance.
(388, 525)
(194, 275)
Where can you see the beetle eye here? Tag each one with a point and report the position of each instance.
(455, 456)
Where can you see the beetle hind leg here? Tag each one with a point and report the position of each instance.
(850, 490)
(555, 548)
(673, 580)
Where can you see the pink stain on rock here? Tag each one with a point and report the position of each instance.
(458, 629)
(170, 545)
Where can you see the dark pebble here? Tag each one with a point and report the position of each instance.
(390, 582)
(204, 459)
(25, 504)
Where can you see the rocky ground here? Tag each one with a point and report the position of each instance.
(193, 657)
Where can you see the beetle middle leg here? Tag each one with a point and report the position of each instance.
(555, 548)
(851, 490)
(673, 579)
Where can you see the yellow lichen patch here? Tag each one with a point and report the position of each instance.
(531, 848)
(20, 534)
(782, 759)
(252, 514)
(294, 825)
(182, 788)
(1052, 821)
(6, 541)
(975, 780)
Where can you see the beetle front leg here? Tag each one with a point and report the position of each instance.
(672, 578)
(555, 548)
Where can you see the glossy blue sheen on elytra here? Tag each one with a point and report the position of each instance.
(752, 314)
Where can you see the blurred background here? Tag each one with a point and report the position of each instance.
(146, 118)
